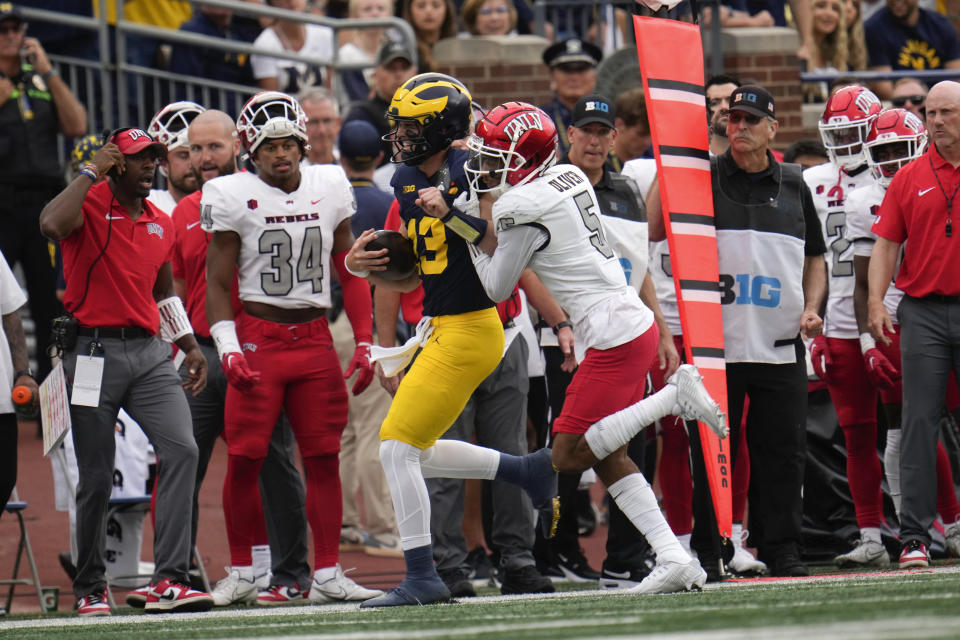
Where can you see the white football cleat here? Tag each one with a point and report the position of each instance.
(743, 563)
(671, 577)
(238, 587)
(340, 588)
(694, 402)
(866, 553)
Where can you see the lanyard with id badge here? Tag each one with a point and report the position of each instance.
(88, 377)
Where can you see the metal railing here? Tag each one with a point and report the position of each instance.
(116, 91)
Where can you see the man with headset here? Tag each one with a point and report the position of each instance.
(117, 248)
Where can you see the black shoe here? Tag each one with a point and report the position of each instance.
(458, 583)
(481, 568)
(574, 566)
(525, 580)
(788, 565)
(66, 561)
(711, 564)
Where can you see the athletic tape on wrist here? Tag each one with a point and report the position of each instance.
(224, 334)
(174, 323)
(467, 227)
(867, 342)
(359, 274)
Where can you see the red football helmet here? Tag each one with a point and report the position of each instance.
(512, 144)
(896, 138)
(271, 114)
(846, 122)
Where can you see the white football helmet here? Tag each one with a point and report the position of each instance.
(170, 124)
(271, 114)
(896, 138)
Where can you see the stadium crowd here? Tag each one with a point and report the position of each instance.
(544, 265)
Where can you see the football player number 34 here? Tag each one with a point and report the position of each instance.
(279, 278)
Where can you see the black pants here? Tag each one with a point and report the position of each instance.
(776, 437)
(21, 241)
(8, 456)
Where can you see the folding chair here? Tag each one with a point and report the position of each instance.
(17, 507)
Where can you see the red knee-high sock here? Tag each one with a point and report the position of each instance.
(864, 473)
(676, 483)
(241, 507)
(324, 507)
(741, 472)
(947, 505)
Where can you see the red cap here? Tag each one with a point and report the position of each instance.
(133, 141)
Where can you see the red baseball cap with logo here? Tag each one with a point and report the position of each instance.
(133, 141)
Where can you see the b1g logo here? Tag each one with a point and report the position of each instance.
(744, 288)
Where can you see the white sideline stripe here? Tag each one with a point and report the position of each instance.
(684, 162)
(699, 295)
(148, 622)
(678, 95)
(693, 229)
(706, 362)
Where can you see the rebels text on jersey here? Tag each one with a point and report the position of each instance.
(577, 262)
(830, 187)
(286, 238)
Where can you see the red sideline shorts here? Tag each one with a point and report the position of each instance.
(607, 381)
(299, 373)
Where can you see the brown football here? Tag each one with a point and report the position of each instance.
(403, 260)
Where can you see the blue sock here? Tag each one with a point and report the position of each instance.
(420, 562)
(512, 469)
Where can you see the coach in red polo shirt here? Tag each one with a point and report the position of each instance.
(116, 256)
(919, 206)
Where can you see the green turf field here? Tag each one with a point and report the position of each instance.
(877, 606)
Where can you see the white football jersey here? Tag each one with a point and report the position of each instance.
(862, 207)
(643, 171)
(830, 187)
(286, 238)
(163, 200)
(661, 272)
(577, 264)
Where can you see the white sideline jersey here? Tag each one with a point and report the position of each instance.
(661, 273)
(643, 171)
(577, 263)
(830, 187)
(163, 200)
(286, 238)
(862, 207)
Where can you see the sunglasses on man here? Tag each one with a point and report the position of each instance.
(736, 116)
(901, 101)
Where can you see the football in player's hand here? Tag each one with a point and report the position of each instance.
(403, 260)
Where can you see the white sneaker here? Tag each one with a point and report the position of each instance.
(952, 539)
(238, 587)
(340, 588)
(866, 553)
(694, 402)
(743, 563)
(671, 577)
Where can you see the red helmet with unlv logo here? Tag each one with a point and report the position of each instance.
(896, 138)
(512, 144)
(846, 122)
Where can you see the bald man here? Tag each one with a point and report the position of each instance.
(918, 205)
(214, 147)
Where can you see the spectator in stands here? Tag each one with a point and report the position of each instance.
(718, 90)
(323, 124)
(215, 64)
(730, 17)
(432, 21)
(806, 152)
(856, 40)
(396, 63)
(143, 50)
(291, 36)
(633, 129)
(573, 74)
(361, 45)
(36, 106)
(489, 17)
(904, 36)
(910, 94)
(829, 36)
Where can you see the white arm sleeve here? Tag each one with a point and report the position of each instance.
(499, 273)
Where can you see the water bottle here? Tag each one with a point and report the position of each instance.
(23, 403)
